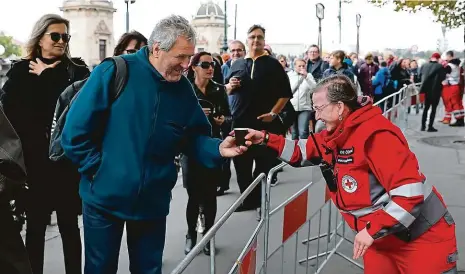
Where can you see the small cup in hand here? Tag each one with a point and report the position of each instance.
(239, 134)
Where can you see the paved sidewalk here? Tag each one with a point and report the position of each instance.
(442, 160)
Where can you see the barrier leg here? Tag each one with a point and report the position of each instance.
(212, 256)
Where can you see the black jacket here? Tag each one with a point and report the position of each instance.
(29, 103)
(317, 68)
(432, 75)
(216, 98)
(263, 83)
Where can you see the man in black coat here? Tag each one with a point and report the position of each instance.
(432, 75)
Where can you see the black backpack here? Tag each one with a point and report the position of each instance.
(68, 96)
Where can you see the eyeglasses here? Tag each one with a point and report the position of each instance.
(56, 36)
(130, 51)
(237, 50)
(206, 65)
(320, 108)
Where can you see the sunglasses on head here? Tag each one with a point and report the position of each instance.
(206, 65)
(56, 36)
(130, 51)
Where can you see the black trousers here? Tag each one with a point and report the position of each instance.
(201, 183)
(433, 103)
(264, 159)
(13, 255)
(37, 220)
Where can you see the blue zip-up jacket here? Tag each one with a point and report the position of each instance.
(380, 81)
(126, 155)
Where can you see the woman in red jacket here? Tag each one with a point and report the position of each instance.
(401, 221)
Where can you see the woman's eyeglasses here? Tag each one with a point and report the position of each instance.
(206, 65)
(56, 36)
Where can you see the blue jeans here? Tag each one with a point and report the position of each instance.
(102, 241)
(299, 129)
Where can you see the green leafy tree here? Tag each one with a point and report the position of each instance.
(449, 13)
(10, 47)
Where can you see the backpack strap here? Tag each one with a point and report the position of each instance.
(120, 76)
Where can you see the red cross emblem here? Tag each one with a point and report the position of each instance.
(349, 184)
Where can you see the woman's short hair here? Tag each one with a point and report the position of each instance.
(339, 54)
(126, 39)
(299, 60)
(340, 89)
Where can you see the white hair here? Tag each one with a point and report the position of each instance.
(167, 31)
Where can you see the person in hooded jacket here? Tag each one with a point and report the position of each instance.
(398, 216)
(31, 92)
(338, 66)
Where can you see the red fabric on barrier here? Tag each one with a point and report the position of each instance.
(249, 261)
(295, 215)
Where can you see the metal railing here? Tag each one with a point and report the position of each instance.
(210, 235)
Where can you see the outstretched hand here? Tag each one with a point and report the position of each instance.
(229, 149)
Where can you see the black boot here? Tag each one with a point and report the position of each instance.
(432, 129)
(458, 123)
(191, 240)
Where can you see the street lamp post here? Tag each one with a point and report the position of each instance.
(225, 40)
(320, 14)
(235, 21)
(357, 21)
(127, 12)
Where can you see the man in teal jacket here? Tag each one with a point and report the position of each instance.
(128, 172)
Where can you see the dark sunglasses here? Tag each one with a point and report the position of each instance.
(131, 51)
(56, 36)
(206, 65)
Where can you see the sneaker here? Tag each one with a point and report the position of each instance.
(432, 129)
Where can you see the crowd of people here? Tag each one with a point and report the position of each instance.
(177, 104)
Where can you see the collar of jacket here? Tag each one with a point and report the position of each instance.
(143, 56)
(265, 53)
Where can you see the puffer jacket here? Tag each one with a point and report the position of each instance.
(302, 89)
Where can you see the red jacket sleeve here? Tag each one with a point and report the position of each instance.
(396, 168)
(297, 152)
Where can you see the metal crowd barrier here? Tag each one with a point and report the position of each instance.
(210, 235)
(297, 217)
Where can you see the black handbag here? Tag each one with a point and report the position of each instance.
(12, 168)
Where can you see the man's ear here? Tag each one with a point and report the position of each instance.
(156, 50)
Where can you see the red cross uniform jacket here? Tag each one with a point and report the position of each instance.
(379, 184)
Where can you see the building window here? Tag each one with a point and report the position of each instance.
(102, 49)
(200, 49)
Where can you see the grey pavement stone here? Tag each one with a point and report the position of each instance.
(444, 167)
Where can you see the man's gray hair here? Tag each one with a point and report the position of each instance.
(167, 31)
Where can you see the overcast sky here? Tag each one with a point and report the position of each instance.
(286, 21)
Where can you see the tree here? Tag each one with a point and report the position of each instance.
(10, 47)
(449, 13)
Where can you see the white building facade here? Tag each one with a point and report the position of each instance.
(91, 29)
(209, 25)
